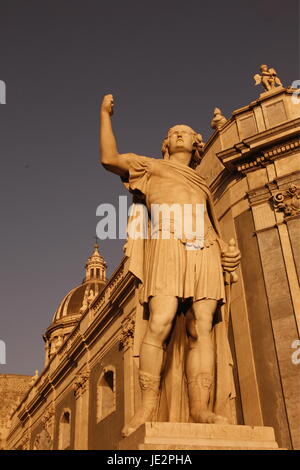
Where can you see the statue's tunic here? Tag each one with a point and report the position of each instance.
(167, 267)
(181, 266)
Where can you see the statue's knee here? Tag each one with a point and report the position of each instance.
(203, 318)
(158, 328)
(199, 328)
(204, 327)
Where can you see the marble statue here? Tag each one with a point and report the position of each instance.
(91, 296)
(179, 274)
(267, 77)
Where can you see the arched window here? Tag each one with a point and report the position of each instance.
(64, 438)
(106, 393)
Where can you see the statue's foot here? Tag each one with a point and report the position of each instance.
(209, 417)
(141, 416)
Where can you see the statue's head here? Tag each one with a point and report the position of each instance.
(263, 68)
(182, 138)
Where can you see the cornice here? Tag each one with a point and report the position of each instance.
(280, 185)
(264, 147)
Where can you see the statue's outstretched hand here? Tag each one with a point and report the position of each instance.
(108, 104)
(230, 258)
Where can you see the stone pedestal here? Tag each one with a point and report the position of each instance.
(194, 436)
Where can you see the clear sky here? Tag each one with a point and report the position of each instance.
(166, 62)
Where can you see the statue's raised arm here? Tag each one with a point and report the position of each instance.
(110, 158)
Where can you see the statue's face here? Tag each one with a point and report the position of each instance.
(181, 139)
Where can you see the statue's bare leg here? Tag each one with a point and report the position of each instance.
(200, 361)
(266, 83)
(162, 312)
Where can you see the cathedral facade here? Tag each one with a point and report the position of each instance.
(89, 386)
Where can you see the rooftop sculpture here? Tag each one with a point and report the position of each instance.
(267, 77)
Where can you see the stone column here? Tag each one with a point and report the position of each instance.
(49, 421)
(82, 395)
(126, 343)
(286, 202)
(229, 210)
(293, 225)
(268, 205)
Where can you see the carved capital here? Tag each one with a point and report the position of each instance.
(287, 200)
(48, 416)
(127, 334)
(80, 383)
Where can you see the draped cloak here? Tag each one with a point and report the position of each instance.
(173, 403)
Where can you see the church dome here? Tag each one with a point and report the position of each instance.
(76, 301)
(74, 304)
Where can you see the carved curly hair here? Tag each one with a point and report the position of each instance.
(196, 154)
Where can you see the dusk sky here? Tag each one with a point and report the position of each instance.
(166, 62)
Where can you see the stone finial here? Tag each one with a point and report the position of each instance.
(218, 120)
(267, 78)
